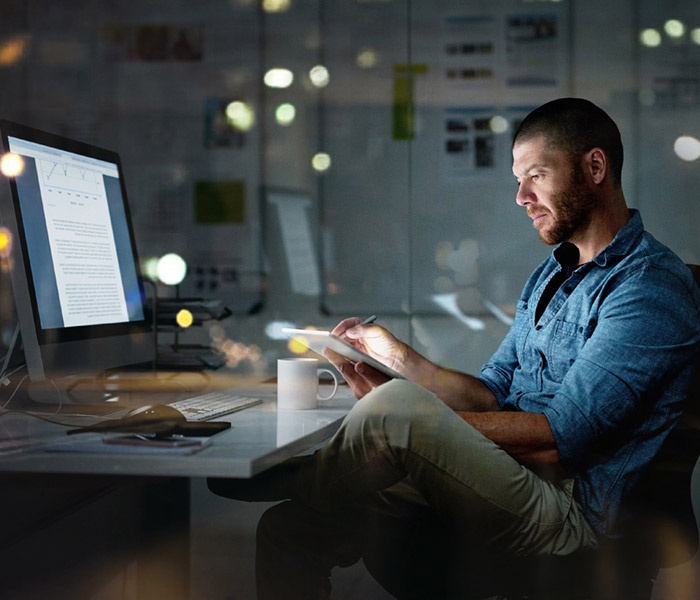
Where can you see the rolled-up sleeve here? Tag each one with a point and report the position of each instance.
(628, 368)
(608, 362)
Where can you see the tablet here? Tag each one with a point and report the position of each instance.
(318, 341)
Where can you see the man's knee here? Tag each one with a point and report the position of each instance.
(396, 397)
(394, 405)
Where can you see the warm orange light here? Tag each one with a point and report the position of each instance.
(12, 51)
(5, 242)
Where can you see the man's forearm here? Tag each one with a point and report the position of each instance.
(527, 437)
(460, 391)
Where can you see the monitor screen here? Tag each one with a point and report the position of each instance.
(75, 273)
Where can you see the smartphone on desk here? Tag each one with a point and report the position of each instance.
(201, 428)
(186, 429)
(155, 442)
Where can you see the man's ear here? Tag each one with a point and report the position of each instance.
(596, 162)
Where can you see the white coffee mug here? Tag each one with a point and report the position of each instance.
(297, 383)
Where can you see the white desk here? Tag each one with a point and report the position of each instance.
(260, 437)
(106, 510)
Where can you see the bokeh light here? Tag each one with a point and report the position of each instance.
(285, 114)
(276, 6)
(319, 76)
(279, 78)
(650, 38)
(5, 242)
(321, 162)
(367, 58)
(171, 269)
(674, 28)
(11, 164)
(240, 115)
(12, 51)
(498, 124)
(184, 318)
(687, 148)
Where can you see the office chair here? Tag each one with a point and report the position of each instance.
(424, 559)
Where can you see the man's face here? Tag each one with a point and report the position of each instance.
(553, 190)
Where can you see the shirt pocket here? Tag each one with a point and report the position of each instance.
(565, 343)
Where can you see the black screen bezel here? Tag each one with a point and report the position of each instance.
(73, 333)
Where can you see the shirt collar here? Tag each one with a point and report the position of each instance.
(622, 244)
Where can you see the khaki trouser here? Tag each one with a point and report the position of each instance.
(401, 449)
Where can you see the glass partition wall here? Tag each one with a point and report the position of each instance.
(312, 160)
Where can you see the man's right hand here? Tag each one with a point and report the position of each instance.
(373, 340)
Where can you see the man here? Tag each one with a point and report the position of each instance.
(537, 453)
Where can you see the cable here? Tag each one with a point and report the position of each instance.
(10, 350)
(4, 376)
(12, 395)
(49, 419)
(4, 412)
(5, 381)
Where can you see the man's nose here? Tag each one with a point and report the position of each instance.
(524, 195)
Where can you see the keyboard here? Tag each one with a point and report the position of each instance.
(212, 405)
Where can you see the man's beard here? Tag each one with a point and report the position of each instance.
(571, 210)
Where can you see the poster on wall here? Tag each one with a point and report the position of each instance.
(478, 139)
(492, 66)
(469, 140)
(469, 60)
(503, 52)
(533, 49)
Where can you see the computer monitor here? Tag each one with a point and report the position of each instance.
(75, 274)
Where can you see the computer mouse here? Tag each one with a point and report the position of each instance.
(153, 412)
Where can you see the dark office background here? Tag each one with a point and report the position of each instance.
(377, 180)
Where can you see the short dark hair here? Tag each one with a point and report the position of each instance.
(575, 125)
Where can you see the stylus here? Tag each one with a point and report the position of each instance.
(367, 321)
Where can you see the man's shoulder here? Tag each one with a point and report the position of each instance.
(654, 262)
(656, 281)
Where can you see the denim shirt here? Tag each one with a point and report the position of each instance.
(608, 363)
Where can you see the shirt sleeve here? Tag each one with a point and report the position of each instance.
(644, 334)
(497, 373)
